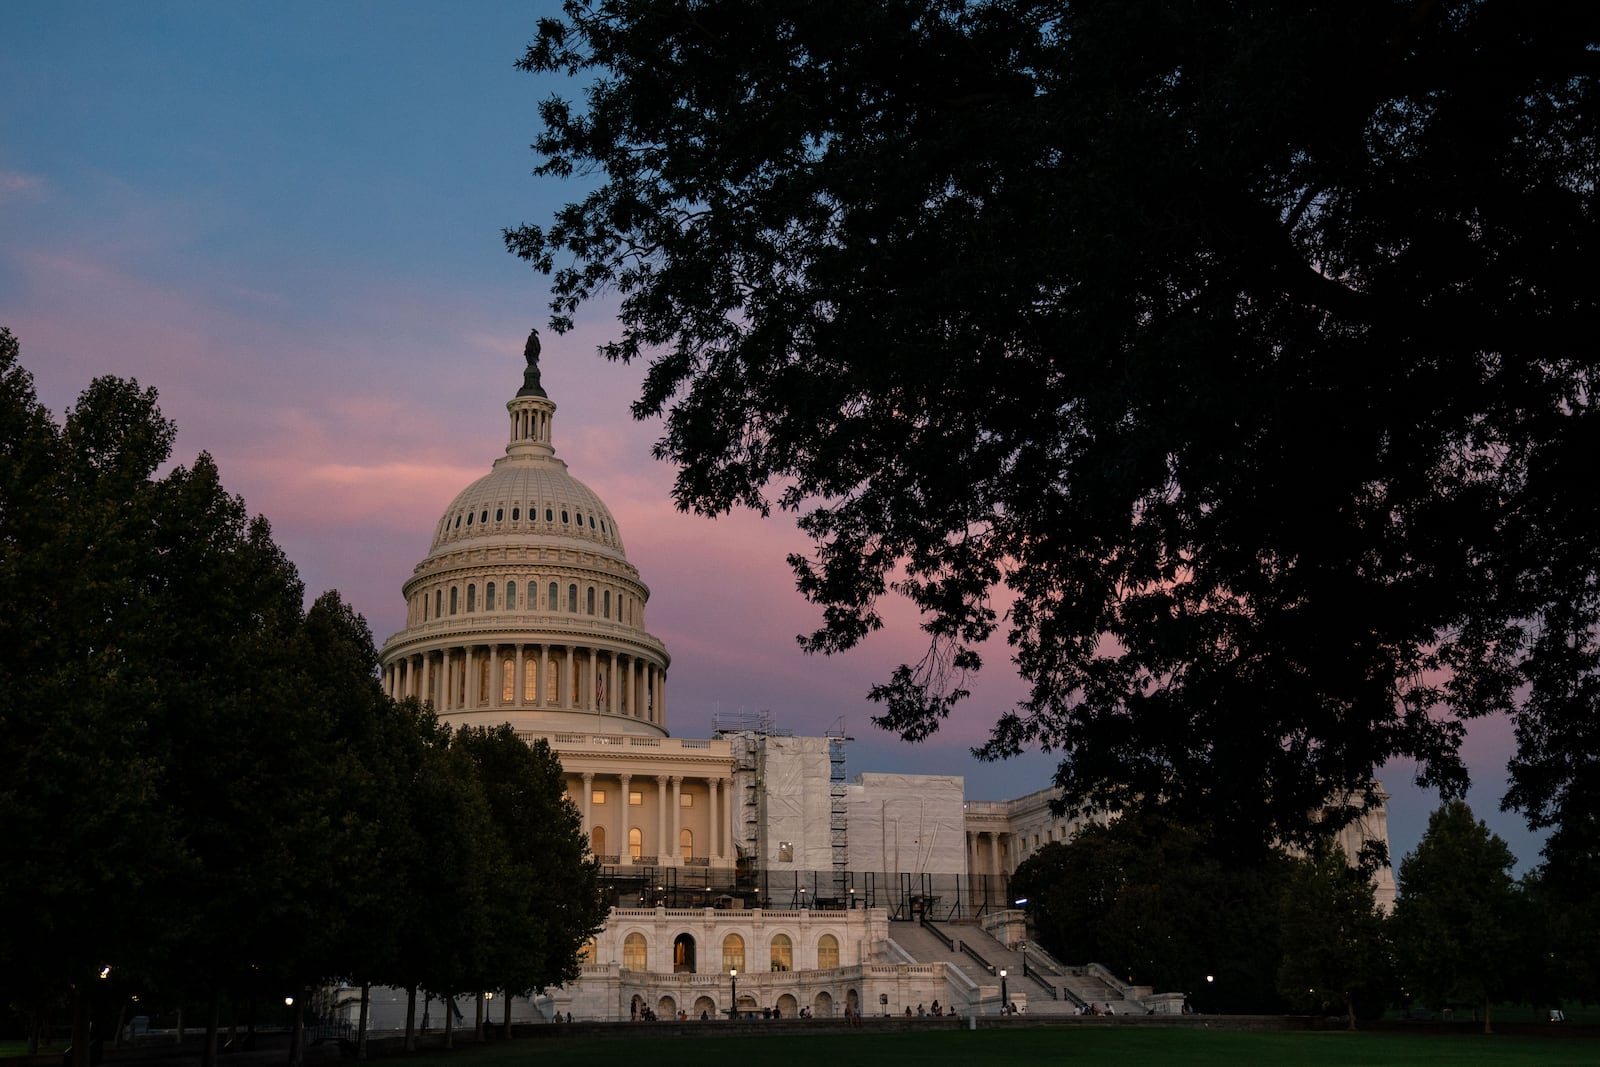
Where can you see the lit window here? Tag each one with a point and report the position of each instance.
(635, 843)
(686, 844)
(635, 798)
(597, 797)
(686, 800)
(827, 951)
(782, 953)
(508, 681)
(732, 953)
(635, 956)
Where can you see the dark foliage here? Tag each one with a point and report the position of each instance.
(1241, 354)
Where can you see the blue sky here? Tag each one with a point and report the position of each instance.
(287, 219)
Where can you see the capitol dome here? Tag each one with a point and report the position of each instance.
(526, 609)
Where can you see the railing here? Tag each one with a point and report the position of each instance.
(943, 937)
(985, 964)
(1046, 986)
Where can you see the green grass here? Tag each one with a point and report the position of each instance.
(12, 1048)
(1109, 1046)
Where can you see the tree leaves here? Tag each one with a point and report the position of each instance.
(1231, 346)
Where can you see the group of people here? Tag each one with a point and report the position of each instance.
(1092, 1008)
(933, 1010)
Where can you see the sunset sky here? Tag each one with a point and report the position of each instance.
(287, 219)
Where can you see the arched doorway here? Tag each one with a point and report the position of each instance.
(666, 1008)
(822, 1005)
(705, 1008)
(852, 1000)
(788, 1006)
(748, 1005)
(636, 1007)
(683, 954)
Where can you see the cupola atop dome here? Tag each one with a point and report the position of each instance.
(526, 609)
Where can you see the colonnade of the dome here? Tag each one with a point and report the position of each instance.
(538, 676)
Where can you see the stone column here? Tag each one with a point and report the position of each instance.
(662, 852)
(519, 683)
(469, 691)
(567, 680)
(677, 815)
(588, 801)
(540, 699)
(496, 678)
(714, 842)
(624, 847)
(447, 669)
(427, 678)
(587, 696)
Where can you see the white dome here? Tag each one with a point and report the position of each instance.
(527, 498)
(526, 610)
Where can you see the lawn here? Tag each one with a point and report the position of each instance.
(1112, 1045)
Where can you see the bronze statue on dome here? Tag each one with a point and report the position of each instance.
(530, 377)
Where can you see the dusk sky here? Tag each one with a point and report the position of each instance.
(287, 219)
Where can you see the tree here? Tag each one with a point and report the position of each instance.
(547, 902)
(1154, 902)
(1336, 952)
(1454, 921)
(1239, 354)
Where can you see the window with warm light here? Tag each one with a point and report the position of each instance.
(732, 953)
(827, 951)
(782, 953)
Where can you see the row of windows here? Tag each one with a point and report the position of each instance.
(597, 842)
(594, 601)
(636, 952)
(573, 517)
(636, 798)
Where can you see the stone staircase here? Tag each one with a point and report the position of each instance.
(1035, 981)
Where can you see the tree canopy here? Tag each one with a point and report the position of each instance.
(1237, 359)
(205, 788)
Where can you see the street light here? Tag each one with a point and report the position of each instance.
(733, 979)
(1024, 946)
(852, 898)
(1005, 1001)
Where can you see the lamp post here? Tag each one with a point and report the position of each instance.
(1005, 1001)
(1024, 946)
(852, 898)
(733, 980)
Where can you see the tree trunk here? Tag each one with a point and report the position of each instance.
(450, 1021)
(1350, 1008)
(505, 1031)
(208, 1051)
(361, 1025)
(79, 1052)
(411, 1018)
(179, 1040)
(477, 1017)
(1486, 1027)
(297, 1041)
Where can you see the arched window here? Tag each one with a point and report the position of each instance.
(572, 599)
(508, 680)
(483, 680)
(511, 596)
(607, 611)
(484, 517)
(516, 513)
(827, 952)
(782, 953)
(469, 518)
(552, 683)
(564, 517)
(453, 592)
(732, 953)
(686, 844)
(424, 607)
(591, 600)
(438, 602)
(555, 598)
(472, 598)
(597, 841)
(635, 842)
(499, 514)
(586, 952)
(488, 597)
(635, 954)
(549, 515)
